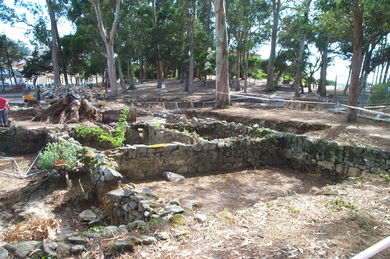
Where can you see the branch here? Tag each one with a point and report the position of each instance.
(116, 20)
(98, 11)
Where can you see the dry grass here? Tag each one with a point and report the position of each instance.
(39, 229)
(335, 221)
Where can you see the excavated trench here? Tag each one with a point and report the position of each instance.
(220, 160)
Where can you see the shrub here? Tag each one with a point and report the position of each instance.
(378, 94)
(116, 138)
(65, 151)
(259, 74)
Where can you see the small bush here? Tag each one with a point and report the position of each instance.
(65, 152)
(259, 74)
(116, 138)
(378, 94)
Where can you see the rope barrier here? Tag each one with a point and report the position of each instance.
(307, 102)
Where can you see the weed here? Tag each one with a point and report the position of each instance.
(116, 138)
(339, 204)
(365, 225)
(64, 153)
(291, 209)
(385, 177)
(227, 217)
(262, 133)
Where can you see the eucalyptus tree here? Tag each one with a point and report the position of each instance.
(247, 27)
(303, 17)
(222, 53)
(276, 5)
(108, 38)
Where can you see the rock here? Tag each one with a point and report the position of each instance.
(23, 249)
(148, 240)
(124, 246)
(149, 193)
(96, 222)
(194, 120)
(87, 215)
(162, 235)
(178, 233)
(50, 248)
(110, 231)
(110, 174)
(132, 205)
(178, 219)
(3, 253)
(120, 193)
(78, 240)
(173, 177)
(200, 217)
(63, 250)
(144, 206)
(173, 209)
(77, 249)
(123, 228)
(354, 172)
(136, 224)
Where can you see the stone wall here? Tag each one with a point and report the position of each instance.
(19, 140)
(248, 147)
(146, 134)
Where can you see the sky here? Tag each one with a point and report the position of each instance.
(17, 32)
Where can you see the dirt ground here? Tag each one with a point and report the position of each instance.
(261, 213)
(276, 213)
(365, 132)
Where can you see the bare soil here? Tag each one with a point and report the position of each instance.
(365, 132)
(275, 213)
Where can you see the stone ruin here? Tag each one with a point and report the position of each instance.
(178, 148)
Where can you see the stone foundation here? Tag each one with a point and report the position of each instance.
(19, 140)
(247, 147)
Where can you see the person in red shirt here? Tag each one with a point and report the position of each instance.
(3, 112)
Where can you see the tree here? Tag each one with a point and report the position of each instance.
(108, 40)
(357, 11)
(222, 53)
(54, 39)
(298, 73)
(36, 65)
(270, 73)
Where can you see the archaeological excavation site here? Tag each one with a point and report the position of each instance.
(193, 183)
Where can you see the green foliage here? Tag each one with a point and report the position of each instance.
(378, 94)
(259, 74)
(192, 135)
(385, 177)
(62, 150)
(262, 133)
(116, 138)
(339, 204)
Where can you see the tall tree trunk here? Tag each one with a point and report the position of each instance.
(121, 77)
(130, 75)
(302, 44)
(159, 63)
(2, 78)
(192, 47)
(54, 37)
(386, 76)
(347, 84)
(10, 68)
(238, 70)
(324, 67)
(246, 70)
(298, 71)
(108, 40)
(222, 53)
(356, 60)
(271, 60)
